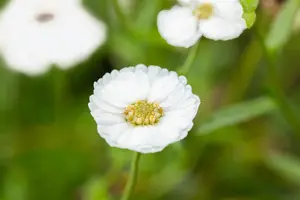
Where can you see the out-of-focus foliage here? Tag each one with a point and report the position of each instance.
(281, 28)
(237, 114)
(241, 147)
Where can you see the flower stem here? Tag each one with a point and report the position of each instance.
(184, 69)
(121, 15)
(59, 84)
(133, 177)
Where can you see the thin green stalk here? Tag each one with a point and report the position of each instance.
(9, 95)
(121, 15)
(59, 89)
(133, 177)
(275, 86)
(184, 69)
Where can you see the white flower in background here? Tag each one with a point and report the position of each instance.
(143, 109)
(36, 34)
(183, 25)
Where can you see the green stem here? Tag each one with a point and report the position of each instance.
(9, 95)
(59, 84)
(184, 69)
(275, 86)
(121, 15)
(133, 177)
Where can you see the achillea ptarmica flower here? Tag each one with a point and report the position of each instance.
(143, 109)
(36, 34)
(183, 25)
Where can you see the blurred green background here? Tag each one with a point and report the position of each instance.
(245, 142)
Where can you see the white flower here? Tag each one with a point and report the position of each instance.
(182, 26)
(143, 109)
(36, 34)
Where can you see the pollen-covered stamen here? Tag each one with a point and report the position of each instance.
(143, 113)
(44, 17)
(204, 11)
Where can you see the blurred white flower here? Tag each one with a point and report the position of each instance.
(36, 34)
(143, 109)
(183, 25)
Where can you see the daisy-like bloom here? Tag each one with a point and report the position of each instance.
(36, 34)
(183, 25)
(143, 109)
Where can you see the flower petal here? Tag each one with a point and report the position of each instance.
(107, 118)
(127, 88)
(26, 63)
(31, 46)
(98, 103)
(226, 23)
(87, 34)
(112, 132)
(143, 139)
(173, 99)
(217, 28)
(229, 9)
(153, 72)
(162, 87)
(178, 26)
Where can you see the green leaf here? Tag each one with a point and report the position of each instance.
(250, 18)
(237, 114)
(249, 5)
(288, 166)
(281, 27)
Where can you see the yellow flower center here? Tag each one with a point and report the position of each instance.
(143, 113)
(204, 11)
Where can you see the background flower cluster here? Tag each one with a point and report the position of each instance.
(245, 141)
